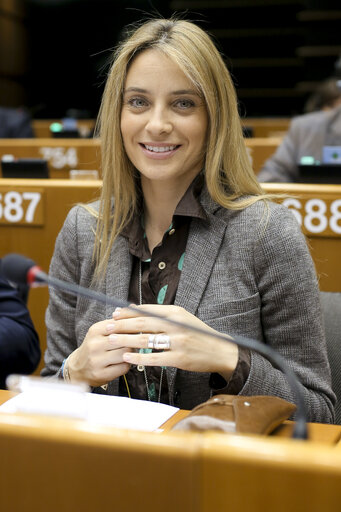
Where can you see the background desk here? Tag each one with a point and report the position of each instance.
(69, 465)
(62, 155)
(65, 154)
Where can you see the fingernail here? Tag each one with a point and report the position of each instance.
(112, 337)
(116, 313)
(110, 327)
(127, 357)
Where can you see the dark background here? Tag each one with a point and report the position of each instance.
(70, 46)
(276, 50)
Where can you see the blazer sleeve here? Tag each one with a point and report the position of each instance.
(67, 316)
(19, 343)
(291, 317)
(61, 311)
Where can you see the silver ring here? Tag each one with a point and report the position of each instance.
(159, 342)
(151, 341)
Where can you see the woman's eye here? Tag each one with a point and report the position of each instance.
(183, 104)
(137, 102)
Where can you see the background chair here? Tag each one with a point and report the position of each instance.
(331, 306)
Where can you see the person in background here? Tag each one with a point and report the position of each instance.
(184, 230)
(306, 137)
(326, 96)
(15, 123)
(19, 343)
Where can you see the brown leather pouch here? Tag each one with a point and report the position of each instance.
(238, 414)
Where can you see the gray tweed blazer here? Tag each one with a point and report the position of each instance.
(246, 272)
(306, 136)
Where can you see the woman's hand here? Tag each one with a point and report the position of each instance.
(98, 360)
(189, 350)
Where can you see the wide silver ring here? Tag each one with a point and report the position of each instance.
(159, 342)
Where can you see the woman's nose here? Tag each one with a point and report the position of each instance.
(159, 121)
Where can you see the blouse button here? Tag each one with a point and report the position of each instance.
(162, 265)
(171, 231)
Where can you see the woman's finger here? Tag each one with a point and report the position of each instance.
(162, 311)
(140, 324)
(117, 341)
(152, 359)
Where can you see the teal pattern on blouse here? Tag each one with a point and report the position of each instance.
(152, 392)
(162, 294)
(181, 261)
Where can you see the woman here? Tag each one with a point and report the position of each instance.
(183, 229)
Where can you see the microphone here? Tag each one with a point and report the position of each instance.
(23, 270)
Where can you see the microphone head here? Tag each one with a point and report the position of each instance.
(15, 267)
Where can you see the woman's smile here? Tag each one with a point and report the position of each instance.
(159, 151)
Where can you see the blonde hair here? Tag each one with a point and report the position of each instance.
(228, 171)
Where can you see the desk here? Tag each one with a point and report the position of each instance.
(65, 154)
(61, 154)
(70, 465)
(318, 210)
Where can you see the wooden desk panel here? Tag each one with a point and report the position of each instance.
(62, 154)
(61, 464)
(264, 475)
(67, 465)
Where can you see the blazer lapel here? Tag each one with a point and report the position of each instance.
(203, 244)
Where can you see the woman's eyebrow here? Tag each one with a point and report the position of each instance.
(186, 91)
(135, 89)
(173, 93)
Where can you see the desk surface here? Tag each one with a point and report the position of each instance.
(318, 432)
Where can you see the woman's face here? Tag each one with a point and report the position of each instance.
(163, 121)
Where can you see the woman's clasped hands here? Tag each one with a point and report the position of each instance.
(112, 346)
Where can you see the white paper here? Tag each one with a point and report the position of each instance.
(119, 412)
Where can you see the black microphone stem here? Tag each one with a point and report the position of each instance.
(300, 427)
